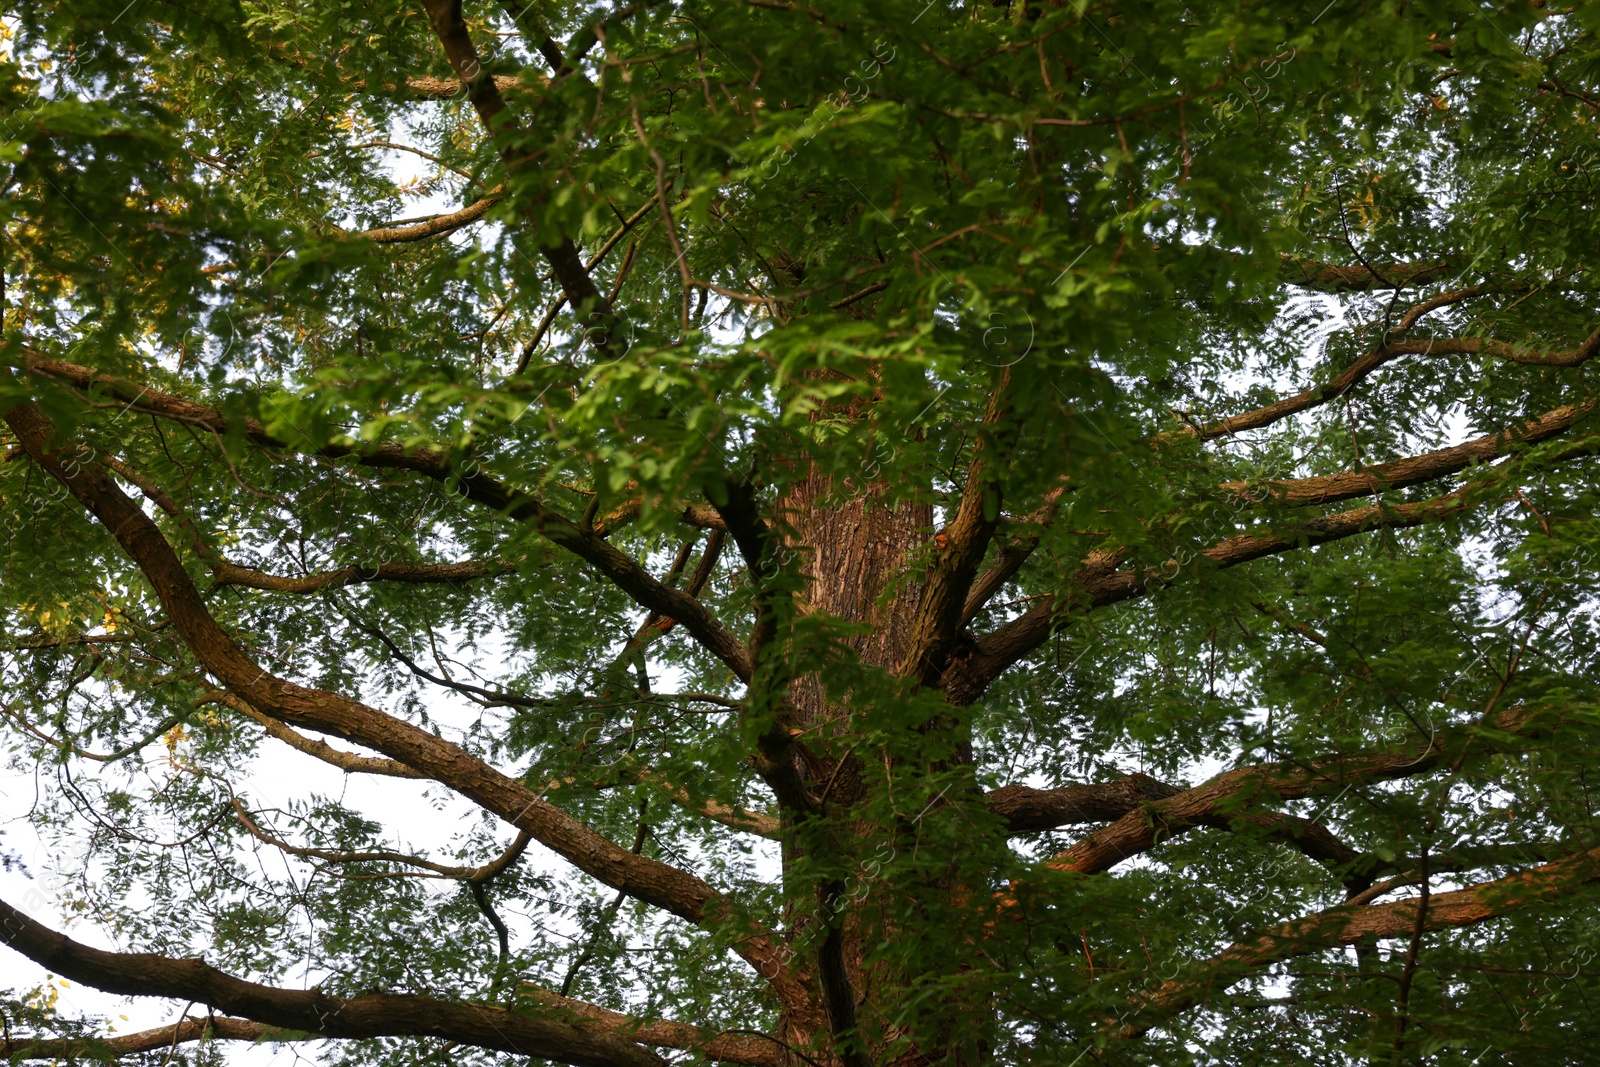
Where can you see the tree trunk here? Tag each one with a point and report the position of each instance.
(856, 548)
(853, 550)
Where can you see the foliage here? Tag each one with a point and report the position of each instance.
(992, 271)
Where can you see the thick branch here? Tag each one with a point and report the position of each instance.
(450, 88)
(1346, 925)
(742, 1047)
(959, 549)
(1141, 829)
(1027, 810)
(532, 27)
(1414, 470)
(1228, 796)
(421, 231)
(410, 573)
(421, 88)
(1328, 278)
(216, 1027)
(349, 762)
(645, 879)
(1567, 357)
(369, 1015)
(472, 483)
(701, 516)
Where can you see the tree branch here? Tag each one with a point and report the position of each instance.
(215, 1027)
(477, 486)
(1568, 357)
(1099, 582)
(742, 1047)
(1414, 470)
(1013, 554)
(759, 545)
(1346, 925)
(408, 573)
(349, 762)
(649, 880)
(749, 822)
(1386, 352)
(450, 88)
(1329, 278)
(959, 548)
(99, 757)
(1228, 796)
(462, 874)
(741, 819)
(421, 231)
(1157, 823)
(310, 1010)
(1025, 809)
(587, 302)
(476, 693)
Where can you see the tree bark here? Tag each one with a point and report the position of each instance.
(854, 550)
(859, 551)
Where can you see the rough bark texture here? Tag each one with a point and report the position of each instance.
(861, 556)
(853, 545)
(853, 550)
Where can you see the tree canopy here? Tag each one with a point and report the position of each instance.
(888, 532)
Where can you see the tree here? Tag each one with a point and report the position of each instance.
(1031, 533)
